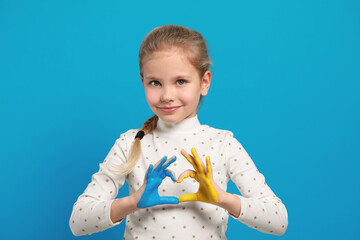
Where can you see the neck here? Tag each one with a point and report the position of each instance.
(187, 125)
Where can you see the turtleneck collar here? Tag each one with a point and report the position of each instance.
(188, 125)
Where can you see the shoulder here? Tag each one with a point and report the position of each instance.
(217, 131)
(226, 136)
(129, 134)
(126, 138)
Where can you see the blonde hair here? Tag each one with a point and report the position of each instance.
(161, 38)
(165, 37)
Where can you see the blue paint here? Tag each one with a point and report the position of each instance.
(154, 178)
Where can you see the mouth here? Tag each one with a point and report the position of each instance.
(169, 109)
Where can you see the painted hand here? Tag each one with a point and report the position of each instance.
(154, 178)
(206, 192)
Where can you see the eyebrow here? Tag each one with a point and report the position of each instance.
(178, 76)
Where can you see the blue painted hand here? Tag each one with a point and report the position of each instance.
(154, 178)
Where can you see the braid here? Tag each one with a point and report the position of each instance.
(135, 150)
(150, 124)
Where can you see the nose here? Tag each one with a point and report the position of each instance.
(167, 95)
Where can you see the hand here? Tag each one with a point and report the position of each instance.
(154, 178)
(206, 192)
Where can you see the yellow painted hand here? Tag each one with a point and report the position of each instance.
(206, 192)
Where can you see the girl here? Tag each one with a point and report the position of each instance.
(174, 70)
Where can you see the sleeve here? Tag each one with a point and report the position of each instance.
(91, 212)
(260, 207)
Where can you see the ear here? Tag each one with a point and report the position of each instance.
(205, 83)
(142, 80)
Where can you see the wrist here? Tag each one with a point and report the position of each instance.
(221, 194)
(223, 198)
(133, 202)
(135, 198)
(121, 207)
(231, 203)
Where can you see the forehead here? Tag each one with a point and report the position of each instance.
(168, 61)
(167, 53)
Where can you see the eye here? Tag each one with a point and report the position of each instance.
(181, 82)
(155, 83)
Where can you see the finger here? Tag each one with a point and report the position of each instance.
(170, 174)
(149, 171)
(169, 162)
(159, 164)
(186, 174)
(208, 167)
(189, 171)
(169, 200)
(198, 162)
(188, 197)
(189, 158)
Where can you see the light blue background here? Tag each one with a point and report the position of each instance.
(285, 81)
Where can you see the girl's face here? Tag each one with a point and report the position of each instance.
(172, 85)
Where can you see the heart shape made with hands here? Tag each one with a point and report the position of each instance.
(203, 175)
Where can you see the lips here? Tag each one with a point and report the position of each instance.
(169, 109)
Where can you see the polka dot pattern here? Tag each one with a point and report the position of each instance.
(191, 220)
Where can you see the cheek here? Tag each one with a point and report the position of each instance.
(150, 96)
(191, 96)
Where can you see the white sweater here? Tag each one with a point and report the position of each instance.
(260, 208)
